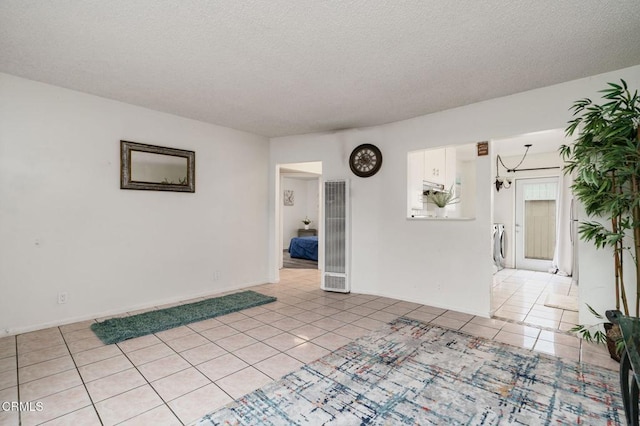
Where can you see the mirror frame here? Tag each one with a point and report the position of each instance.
(127, 147)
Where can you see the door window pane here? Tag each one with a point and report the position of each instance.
(540, 229)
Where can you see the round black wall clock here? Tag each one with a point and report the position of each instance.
(365, 160)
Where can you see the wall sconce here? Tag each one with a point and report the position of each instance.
(503, 182)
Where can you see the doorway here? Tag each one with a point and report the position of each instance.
(535, 223)
(299, 187)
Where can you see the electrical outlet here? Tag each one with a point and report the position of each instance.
(216, 275)
(62, 298)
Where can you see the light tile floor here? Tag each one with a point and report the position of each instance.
(519, 295)
(176, 376)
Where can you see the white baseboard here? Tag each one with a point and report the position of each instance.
(114, 312)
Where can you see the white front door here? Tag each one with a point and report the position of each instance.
(535, 222)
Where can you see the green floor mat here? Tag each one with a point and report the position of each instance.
(116, 330)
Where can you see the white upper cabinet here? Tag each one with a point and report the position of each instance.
(435, 165)
(440, 166)
(450, 168)
(432, 165)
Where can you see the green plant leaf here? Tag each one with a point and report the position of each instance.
(604, 159)
(442, 198)
(577, 328)
(593, 312)
(599, 337)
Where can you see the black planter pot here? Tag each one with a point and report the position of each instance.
(613, 335)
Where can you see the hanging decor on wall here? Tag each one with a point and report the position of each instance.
(288, 197)
(156, 168)
(365, 160)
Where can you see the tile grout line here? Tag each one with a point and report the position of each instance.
(18, 379)
(123, 353)
(84, 384)
(306, 296)
(166, 403)
(176, 353)
(228, 352)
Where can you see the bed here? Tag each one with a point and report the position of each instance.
(304, 248)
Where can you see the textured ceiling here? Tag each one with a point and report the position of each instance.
(282, 67)
(543, 141)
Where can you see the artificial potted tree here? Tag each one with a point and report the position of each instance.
(605, 162)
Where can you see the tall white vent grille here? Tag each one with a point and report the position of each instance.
(335, 273)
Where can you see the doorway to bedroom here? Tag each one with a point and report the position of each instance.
(300, 215)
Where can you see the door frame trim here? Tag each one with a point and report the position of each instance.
(543, 265)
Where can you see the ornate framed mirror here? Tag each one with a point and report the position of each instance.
(156, 168)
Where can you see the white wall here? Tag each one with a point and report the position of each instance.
(504, 200)
(305, 205)
(393, 255)
(66, 226)
(313, 203)
(468, 186)
(443, 263)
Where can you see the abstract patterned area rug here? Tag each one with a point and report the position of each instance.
(116, 330)
(411, 373)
